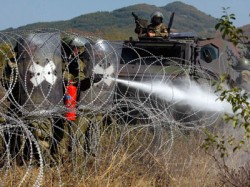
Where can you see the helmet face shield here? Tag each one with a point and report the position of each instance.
(73, 45)
(156, 17)
(157, 20)
(157, 14)
(79, 41)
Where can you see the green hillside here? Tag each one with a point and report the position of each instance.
(119, 24)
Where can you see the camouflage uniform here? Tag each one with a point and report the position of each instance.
(155, 29)
(74, 60)
(47, 131)
(42, 131)
(75, 68)
(159, 30)
(54, 136)
(141, 27)
(8, 77)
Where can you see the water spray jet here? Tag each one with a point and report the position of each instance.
(196, 97)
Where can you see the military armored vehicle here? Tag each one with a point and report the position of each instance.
(178, 59)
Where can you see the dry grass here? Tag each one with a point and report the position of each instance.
(131, 162)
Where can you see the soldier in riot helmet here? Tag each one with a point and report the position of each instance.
(75, 58)
(35, 71)
(44, 64)
(157, 28)
(75, 64)
(78, 56)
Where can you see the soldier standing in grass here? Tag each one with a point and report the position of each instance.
(77, 68)
(33, 80)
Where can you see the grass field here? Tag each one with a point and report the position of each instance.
(134, 157)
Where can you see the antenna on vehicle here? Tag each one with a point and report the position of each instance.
(170, 22)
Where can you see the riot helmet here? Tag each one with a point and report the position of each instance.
(78, 41)
(71, 42)
(242, 64)
(74, 53)
(243, 59)
(80, 45)
(156, 18)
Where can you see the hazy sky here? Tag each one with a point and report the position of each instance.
(15, 13)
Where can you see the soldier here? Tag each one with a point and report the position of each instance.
(74, 59)
(141, 26)
(78, 64)
(104, 59)
(45, 63)
(33, 79)
(157, 28)
(11, 141)
(55, 134)
(241, 62)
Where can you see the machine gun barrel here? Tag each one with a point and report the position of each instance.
(141, 23)
(136, 19)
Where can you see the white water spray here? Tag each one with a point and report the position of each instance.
(198, 98)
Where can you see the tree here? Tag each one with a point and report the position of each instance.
(240, 119)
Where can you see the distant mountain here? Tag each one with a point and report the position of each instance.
(119, 24)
